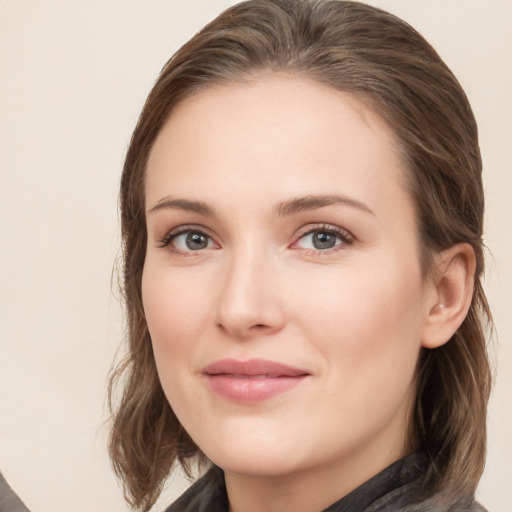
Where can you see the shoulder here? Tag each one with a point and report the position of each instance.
(208, 494)
(9, 501)
(436, 506)
(476, 507)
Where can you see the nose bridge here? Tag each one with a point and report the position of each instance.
(248, 299)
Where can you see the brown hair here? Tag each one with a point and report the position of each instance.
(385, 63)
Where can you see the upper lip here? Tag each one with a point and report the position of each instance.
(253, 367)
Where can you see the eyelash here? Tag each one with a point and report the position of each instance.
(166, 241)
(344, 237)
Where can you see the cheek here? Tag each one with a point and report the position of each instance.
(367, 328)
(173, 312)
(365, 317)
(176, 321)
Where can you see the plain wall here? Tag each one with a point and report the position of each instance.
(73, 78)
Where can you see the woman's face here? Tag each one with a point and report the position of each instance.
(282, 284)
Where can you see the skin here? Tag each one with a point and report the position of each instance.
(230, 161)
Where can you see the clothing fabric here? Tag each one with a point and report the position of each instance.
(9, 501)
(395, 489)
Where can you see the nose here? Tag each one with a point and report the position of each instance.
(249, 300)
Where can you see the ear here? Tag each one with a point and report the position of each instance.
(452, 287)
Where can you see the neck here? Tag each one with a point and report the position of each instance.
(308, 490)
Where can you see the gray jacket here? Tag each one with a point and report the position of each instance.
(398, 488)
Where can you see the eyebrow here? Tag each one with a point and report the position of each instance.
(182, 204)
(312, 202)
(296, 205)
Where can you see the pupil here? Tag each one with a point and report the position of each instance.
(323, 240)
(196, 241)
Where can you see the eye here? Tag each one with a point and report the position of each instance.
(323, 239)
(186, 241)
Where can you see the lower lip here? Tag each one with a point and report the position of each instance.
(249, 390)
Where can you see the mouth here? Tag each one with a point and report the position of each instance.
(251, 381)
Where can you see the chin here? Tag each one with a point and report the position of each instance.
(255, 464)
(263, 454)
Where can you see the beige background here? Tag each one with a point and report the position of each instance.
(73, 77)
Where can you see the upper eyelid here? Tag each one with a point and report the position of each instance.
(311, 228)
(184, 228)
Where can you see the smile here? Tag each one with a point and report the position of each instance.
(252, 381)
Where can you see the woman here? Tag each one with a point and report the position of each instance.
(302, 220)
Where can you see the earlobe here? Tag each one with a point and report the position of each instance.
(453, 284)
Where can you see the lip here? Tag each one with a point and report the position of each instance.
(251, 381)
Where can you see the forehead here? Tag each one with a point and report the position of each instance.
(278, 135)
(271, 101)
